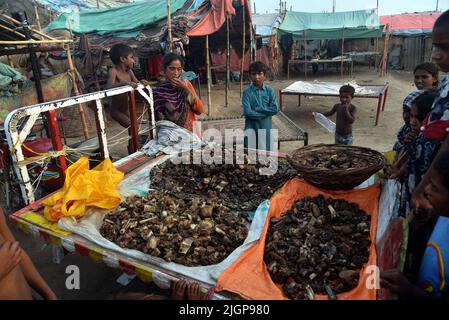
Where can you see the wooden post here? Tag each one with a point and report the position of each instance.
(34, 30)
(305, 55)
(170, 39)
(383, 69)
(75, 88)
(342, 51)
(209, 102)
(243, 49)
(38, 20)
(252, 49)
(376, 57)
(13, 31)
(228, 62)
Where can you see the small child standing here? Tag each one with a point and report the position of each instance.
(426, 77)
(346, 113)
(121, 75)
(259, 105)
(405, 129)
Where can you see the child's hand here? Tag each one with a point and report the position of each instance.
(395, 281)
(421, 208)
(133, 84)
(423, 215)
(10, 257)
(409, 137)
(194, 292)
(144, 82)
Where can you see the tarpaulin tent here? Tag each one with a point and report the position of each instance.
(266, 27)
(141, 25)
(411, 24)
(411, 42)
(212, 33)
(264, 23)
(129, 18)
(332, 25)
(307, 26)
(215, 16)
(67, 5)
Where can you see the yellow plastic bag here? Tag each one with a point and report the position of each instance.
(84, 188)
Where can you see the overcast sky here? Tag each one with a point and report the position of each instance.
(385, 6)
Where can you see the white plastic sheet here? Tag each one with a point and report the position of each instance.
(330, 88)
(89, 226)
(171, 139)
(388, 206)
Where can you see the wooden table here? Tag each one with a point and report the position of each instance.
(331, 89)
(348, 62)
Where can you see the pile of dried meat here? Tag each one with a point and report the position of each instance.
(189, 231)
(319, 242)
(239, 187)
(333, 159)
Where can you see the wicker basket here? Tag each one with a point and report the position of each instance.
(331, 178)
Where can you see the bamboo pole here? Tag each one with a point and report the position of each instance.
(13, 31)
(36, 42)
(209, 102)
(170, 38)
(376, 57)
(6, 52)
(34, 30)
(38, 20)
(228, 62)
(305, 55)
(75, 88)
(384, 60)
(342, 51)
(242, 65)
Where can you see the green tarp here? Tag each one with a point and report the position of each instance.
(118, 21)
(330, 26)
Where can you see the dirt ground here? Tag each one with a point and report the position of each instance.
(380, 137)
(99, 281)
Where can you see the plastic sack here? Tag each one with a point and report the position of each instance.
(324, 121)
(249, 277)
(84, 188)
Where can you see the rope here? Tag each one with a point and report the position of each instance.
(66, 150)
(36, 182)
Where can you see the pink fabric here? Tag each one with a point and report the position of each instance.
(262, 55)
(219, 61)
(215, 17)
(410, 20)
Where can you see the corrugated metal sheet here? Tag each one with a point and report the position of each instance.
(413, 52)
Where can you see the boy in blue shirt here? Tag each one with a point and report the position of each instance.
(259, 105)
